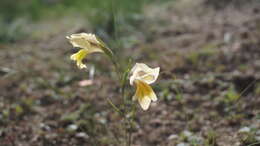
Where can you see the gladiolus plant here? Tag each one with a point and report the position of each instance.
(141, 76)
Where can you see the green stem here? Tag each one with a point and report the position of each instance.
(122, 78)
(112, 58)
(115, 108)
(127, 120)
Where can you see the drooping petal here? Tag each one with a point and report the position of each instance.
(144, 93)
(148, 91)
(79, 56)
(144, 102)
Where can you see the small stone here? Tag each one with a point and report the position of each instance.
(244, 130)
(102, 120)
(82, 135)
(72, 127)
(257, 132)
(183, 144)
(51, 135)
(257, 63)
(196, 139)
(45, 127)
(84, 83)
(173, 136)
(1, 133)
(257, 138)
(227, 37)
(187, 133)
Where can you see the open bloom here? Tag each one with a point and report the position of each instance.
(141, 77)
(88, 44)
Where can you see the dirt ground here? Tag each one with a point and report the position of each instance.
(208, 89)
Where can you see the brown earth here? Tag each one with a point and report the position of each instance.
(209, 89)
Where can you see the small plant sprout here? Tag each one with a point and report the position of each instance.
(141, 76)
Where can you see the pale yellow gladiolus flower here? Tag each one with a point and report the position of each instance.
(88, 44)
(141, 77)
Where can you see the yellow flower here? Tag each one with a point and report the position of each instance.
(141, 77)
(88, 44)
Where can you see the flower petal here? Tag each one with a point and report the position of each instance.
(86, 41)
(78, 40)
(79, 56)
(144, 73)
(152, 95)
(144, 102)
(148, 91)
(151, 76)
(144, 93)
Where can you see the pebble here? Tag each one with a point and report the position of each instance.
(257, 138)
(197, 139)
(187, 133)
(82, 135)
(72, 127)
(257, 132)
(173, 136)
(244, 130)
(183, 144)
(45, 127)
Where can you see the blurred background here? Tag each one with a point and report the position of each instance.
(208, 89)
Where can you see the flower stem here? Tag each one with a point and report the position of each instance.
(122, 77)
(115, 108)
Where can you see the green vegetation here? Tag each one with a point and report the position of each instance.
(107, 17)
(211, 139)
